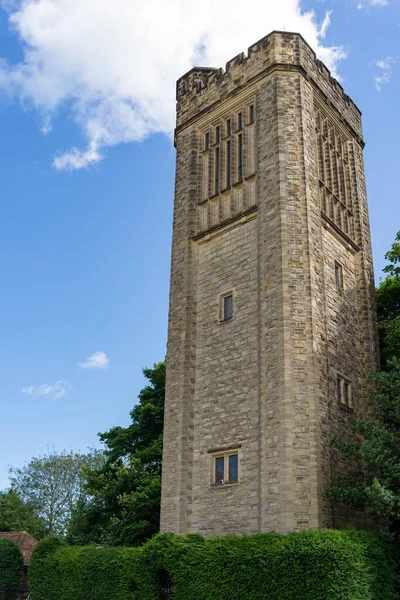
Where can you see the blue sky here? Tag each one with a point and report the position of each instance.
(86, 115)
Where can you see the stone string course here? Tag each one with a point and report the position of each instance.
(264, 382)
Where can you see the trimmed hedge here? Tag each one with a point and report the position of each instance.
(11, 565)
(313, 565)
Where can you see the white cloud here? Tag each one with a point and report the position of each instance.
(97, 360)
(56, 390)
(112, 64)
(366, 3)
(325, 24)
(384, 75)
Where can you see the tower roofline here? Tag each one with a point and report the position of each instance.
(257, 46)
(197, 89)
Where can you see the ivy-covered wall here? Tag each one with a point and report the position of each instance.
(314, 565)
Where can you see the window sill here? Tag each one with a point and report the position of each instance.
(221, 321)
(222, 485)
(349, 410)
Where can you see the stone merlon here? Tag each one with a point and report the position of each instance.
(202, 87)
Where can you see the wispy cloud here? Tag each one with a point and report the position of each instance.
(56, 390)
(112, 65)
(384, 74)
(366, 3)
(97, 360)
(325, 24)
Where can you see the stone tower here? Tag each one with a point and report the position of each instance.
(272, 321)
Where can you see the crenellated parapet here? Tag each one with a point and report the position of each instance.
(201, 88)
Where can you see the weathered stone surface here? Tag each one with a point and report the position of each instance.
(265, 382)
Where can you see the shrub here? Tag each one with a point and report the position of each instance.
(11, 565)
(42, 570)
(313, 565)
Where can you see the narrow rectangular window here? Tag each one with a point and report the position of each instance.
(228, 307)
(251, 113)
(207, 141)
(240, 157)
(347, 394)
(233, 468)
(228, 127)
(219, 469)
(339, 390)
(240, 120)
(217, 134)
(217, 153)
(228, 164)
(339, 276)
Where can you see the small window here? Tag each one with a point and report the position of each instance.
(228, 127)
(217, 134)
(240, 120)
(228, 164)
(233, 468)
(344, 392)
(207, 141)
(339, 389)
(220, 469)
(339, 276)
(240, 157)
(217, 169)
(251, 113)
(228, 307)
(226, 468)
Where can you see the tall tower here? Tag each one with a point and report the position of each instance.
(272, 321)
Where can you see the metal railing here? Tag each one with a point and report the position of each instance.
(166, 586)
(16, 594)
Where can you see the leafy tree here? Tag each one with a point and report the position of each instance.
(52, 484)
(388, 306)
(122, 501)
(11, 565)
(17, 515)
(374, 442)
(374, 482)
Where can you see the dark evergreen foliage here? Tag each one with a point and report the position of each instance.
(313, 565)
(11, 565)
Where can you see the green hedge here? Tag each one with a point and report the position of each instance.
(11, 565)
(313, 565)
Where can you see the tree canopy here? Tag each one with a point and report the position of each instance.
(373, 483)
(121, 504)
(388, 306)
(17, 515)
(52, 484)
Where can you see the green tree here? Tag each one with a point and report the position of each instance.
(374, 441)
(17, 515)
(374, 447)
(121, 505)
(52, 484)
(388, 306)
(11, 565)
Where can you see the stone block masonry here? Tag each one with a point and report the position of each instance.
(270, 211)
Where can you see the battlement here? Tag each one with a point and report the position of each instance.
(201, 87)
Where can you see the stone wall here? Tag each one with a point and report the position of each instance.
(226, 383)
(265, 383)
